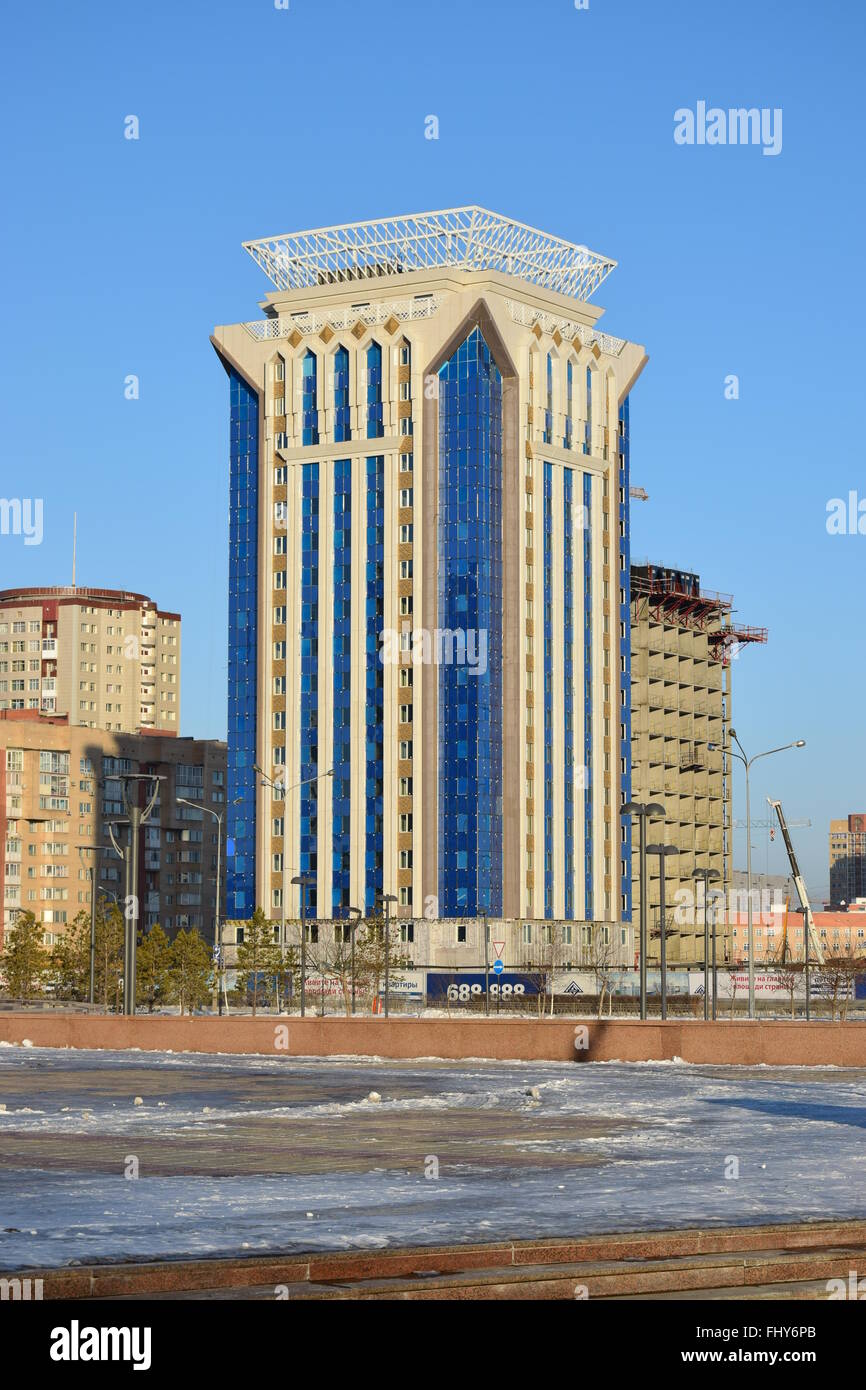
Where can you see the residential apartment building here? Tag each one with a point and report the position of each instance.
(62, 787)
(682, 643)
(847, 860)
(105, 658)
(429, 576)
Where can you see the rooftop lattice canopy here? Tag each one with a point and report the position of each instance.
(456, 239)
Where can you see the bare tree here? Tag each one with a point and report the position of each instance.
(835, 980)
(788, 971)
(329, 954)
(601, 963)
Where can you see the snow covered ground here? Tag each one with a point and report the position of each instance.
(255, 1154)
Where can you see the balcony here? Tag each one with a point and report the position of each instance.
(49, 646)
(692, 758)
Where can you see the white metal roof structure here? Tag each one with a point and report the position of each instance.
(469, 238)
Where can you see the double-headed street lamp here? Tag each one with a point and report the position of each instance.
(302, 881)
(136, 815)
(747, 763)
(386, 899)
(97, 849)
(662, 851)
(708, 876)
(217, 924)
(643, 811)
(353, 927)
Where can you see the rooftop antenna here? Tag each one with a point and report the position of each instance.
(74, 541)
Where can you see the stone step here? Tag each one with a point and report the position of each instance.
(619, 1265)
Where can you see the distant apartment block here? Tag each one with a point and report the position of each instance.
(682, 643)
(105, 658)
(779, 935)
(61, 785)
(847, 860)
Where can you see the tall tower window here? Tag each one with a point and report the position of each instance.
(569, 406)
(548, 690)
(587, 429)
(342, 689)
(587, 679)
(375, 412)
(548, 409)
(309, 403)
(309, 703)
(243, 644)
(375, 675)
(470, 606)
(568, 684)
(342, 408)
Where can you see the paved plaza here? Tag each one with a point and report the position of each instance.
(246, 1155)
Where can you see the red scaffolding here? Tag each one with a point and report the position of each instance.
(675, 596)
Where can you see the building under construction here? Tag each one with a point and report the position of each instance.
(683, 642)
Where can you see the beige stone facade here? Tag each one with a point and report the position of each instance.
(106, 658)
(563, 383)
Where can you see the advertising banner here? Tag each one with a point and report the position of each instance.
(464, 986)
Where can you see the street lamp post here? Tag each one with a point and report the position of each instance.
(747, 764)
(136, 815)
(708, 876)
(217, 923)
(387, 899)
(486, 961)
(353, 928)
(302, 880)
(643, 811)
(715, 969)
(663, 851)
(93, 891)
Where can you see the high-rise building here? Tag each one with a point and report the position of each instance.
(847, 860)
(682, 645)
(429, 575)
(62, 786)
(106, 658)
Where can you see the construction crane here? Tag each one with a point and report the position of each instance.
(810, 936)
(771, 824)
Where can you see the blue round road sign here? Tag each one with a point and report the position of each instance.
(498, 967)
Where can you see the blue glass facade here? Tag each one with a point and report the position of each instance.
(587, 691)
(310, 401)
(470, 601)
(375, 611)
(375, 412)
(548, 689)
(342, 756)
(243, 645)
(309, 704)
(342, 407)
(568, 683)
(625, 647)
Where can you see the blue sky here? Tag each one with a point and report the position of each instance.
(120, 256)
